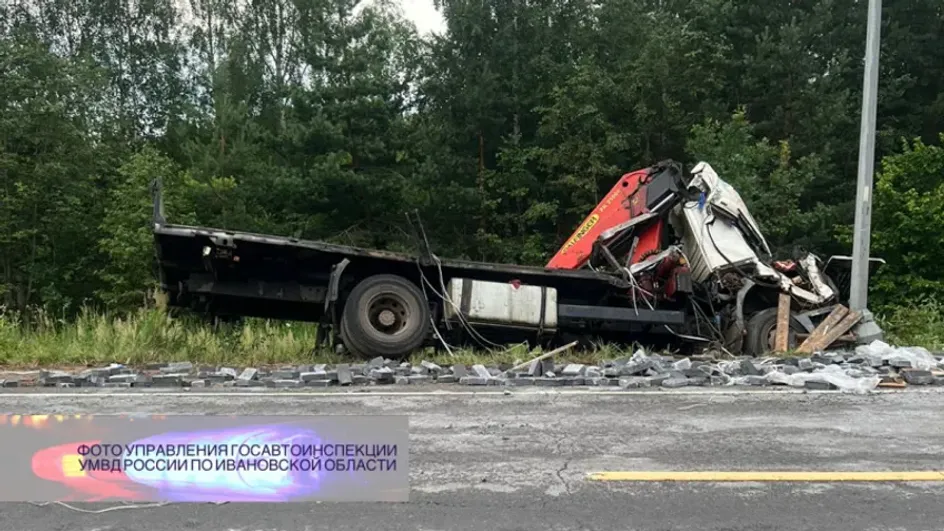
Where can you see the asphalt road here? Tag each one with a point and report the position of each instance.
(520, 462)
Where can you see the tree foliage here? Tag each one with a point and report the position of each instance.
(908, 222)
(328, 119)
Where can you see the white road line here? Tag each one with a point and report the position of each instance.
(371, 394)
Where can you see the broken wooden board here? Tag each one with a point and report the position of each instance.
(834, 318)
(893, 385)
(844, 326)
(781, 341)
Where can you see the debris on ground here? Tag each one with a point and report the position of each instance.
(876, 365)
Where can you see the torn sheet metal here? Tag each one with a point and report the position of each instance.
(720, 234)
(725, 200)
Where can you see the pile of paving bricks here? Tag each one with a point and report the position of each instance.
(871, 366)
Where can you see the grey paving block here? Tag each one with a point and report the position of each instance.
(574, 369)
(916, 377)
(344, 375)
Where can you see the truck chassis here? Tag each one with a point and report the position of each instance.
(378, 303)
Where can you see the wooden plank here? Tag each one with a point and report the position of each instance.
(833, 334)
(845, 338)
(893, 385)
(831, 320)
(783, 323)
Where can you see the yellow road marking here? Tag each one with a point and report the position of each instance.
(765, 476)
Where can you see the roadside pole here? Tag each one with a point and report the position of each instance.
(867, 329)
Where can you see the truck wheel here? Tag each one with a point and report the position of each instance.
(385, 315)
(762, 331)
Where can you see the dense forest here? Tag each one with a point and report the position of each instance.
(329, 119)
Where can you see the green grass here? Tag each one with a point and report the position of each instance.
(152, 336)
(917, 324)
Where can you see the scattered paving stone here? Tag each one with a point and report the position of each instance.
(314, 375)
(697, 381)
(481, 372)
(382, 374)
(182, 366)
(749, 369)
(916, 377)
(51, 378)
(753, 379)
(675, 382)
(574, 369)
(127, 378)
(656, 380)
(819, 386)
(344, 375)
(634, 382)
(913, 365)
(634, 368)
(287, 384)
(248, 374)
(901, 363)
(536, 368)
(473, 380)
(431, 367)
(285, 374)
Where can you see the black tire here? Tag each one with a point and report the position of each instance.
(346, 340)
(385, 315)
(761, 328)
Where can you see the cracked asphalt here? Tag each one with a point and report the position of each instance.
(494, 462)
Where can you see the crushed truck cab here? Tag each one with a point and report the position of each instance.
(666, 259)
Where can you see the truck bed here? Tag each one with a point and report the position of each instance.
(288, 278)
(174, 235)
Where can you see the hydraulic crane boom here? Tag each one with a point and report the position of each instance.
(635, 195)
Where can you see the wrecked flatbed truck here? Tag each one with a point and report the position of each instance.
(665, 259)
